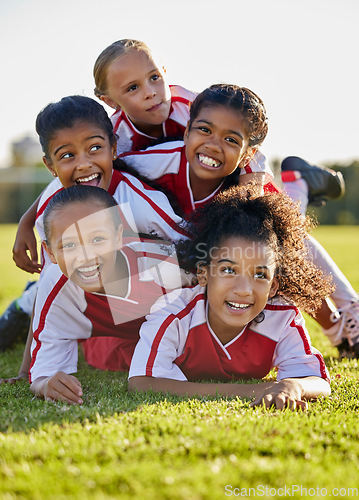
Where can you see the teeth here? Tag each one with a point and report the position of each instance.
(236, 305)
(90, 269)
(211, 162)
(88, 179)
(87, 269)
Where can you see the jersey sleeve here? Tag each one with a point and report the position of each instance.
(58, 323)
(156, 161)
(258, 163)
(294, 355)
(162, 340)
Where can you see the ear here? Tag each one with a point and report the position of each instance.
(114, 151)
(49, 252)
(202, 275)
(110, 102)
(186, 132)
(49, 165)
(274, 287)
(119, 237)
(248, 155)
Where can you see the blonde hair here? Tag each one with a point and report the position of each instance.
(108, 56)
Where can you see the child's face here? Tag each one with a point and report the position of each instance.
(84, 243)
(216, 143)
(137, 86)
(81, 155)
(239, 280)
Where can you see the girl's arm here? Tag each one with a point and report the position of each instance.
(25, 241)
(290, 393)
(59, 387)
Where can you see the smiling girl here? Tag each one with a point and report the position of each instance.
(242, 319)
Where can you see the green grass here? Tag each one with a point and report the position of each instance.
(148, 446)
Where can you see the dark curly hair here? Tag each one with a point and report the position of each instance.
(272, 219)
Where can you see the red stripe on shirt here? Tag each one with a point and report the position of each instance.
(42, 208)
(156, 208)
(51, 297)
(151, 152)
(163, 328)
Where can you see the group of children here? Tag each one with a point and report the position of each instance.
(188, 264)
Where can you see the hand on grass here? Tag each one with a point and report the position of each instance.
(288, 393)
(25, 244)
(13, 380)
(59, 387)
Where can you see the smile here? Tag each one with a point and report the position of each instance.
(155, 107)
(209, 162)
(90, 180)
(89, 273)
(237, 306)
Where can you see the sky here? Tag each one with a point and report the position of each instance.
(299, 56)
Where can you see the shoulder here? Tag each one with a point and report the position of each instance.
(280, 317)
(180, 92)
(182, 304)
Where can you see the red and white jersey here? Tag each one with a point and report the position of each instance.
(145, 209)
(64, 313)
(167, 164)
(131, 139)
(176, 342)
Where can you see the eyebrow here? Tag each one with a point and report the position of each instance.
(229, 130)
(226, 260)
(87, 139)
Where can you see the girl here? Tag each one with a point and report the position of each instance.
(226, 126)
(79, 149)
(103, 285)
(242, 318)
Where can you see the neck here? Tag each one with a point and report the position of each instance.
(201, 188)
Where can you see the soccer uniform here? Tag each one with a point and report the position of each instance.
(65, 313)
(167, 164)
(145, 209)
(131, 139)
(176, 342)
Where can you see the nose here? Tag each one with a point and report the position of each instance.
(150, 92)
(242, 285)
(213, 143)
(83, 161)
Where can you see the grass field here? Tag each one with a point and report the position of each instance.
(148, 447)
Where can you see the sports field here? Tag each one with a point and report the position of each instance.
(156, 447)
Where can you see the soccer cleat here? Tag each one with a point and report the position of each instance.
(323, 183)
(14, 326)
(344, 333)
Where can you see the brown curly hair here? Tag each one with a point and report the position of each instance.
(272, 219)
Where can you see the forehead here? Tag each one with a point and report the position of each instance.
(80, 130)
(224, 117)
(80, 218)
(239, 250)
(132, 60)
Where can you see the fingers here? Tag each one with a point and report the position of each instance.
(281, 402)
(63, 387)
(10, 381)
(23, 261)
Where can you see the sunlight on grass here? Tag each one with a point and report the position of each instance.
(151, 446)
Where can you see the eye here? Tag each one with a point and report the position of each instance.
(68, 245)
(155, 77)
(132, 88)
(228, 270)
(261, 275)
(232, 140)
(95, 148)
(66, 155)
(98, 239)
(204, 129)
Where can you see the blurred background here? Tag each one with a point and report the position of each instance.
(300, 56)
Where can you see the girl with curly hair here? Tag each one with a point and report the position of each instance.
(242, 319)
